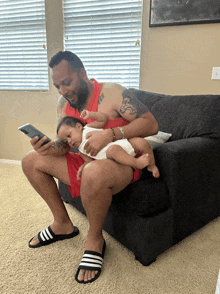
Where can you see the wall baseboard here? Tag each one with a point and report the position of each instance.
(9, 161)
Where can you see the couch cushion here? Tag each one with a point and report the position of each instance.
(184, 116)
(143, 198)
(158, 139)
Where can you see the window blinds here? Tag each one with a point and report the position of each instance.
(23, 53)
(106, 35)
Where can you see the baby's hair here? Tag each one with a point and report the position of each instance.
(69, 121)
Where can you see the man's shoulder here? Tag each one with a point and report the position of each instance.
(113, 86)
(61, 107)
(113, 91)
(61, 103)
(62, 100)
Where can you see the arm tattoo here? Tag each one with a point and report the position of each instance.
(101, 97)
(60, 144)
(60, 106)
(132, 105)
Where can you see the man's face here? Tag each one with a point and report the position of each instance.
(70, 85)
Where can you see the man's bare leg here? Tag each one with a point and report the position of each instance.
(100, 180)
(40, 171)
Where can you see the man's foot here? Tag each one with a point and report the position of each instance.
(87, 273)
(52, 234)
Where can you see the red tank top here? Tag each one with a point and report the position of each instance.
(93, 106)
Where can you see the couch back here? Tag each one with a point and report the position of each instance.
(184, 116)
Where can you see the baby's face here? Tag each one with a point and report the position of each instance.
(71, 135)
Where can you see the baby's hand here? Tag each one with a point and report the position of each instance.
(85, 114)
(79, 173)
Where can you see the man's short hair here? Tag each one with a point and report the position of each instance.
(75, 64)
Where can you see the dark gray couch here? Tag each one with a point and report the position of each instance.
(151, 215)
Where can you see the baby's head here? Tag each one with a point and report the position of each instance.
(70, 131)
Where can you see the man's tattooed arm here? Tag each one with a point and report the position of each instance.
(61, 103)
(131, 105)
(60, 146)
(59, 143)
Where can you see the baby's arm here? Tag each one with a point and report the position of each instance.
(100, 118)
(87, 160)
(86, 157)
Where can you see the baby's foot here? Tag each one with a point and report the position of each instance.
(142, 161)
(154, 169)
(145, 160)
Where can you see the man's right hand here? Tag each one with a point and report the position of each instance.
(42, 149)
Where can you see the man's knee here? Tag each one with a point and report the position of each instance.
(92, 171)
(29, 161)
(102, 175)
(97, 175)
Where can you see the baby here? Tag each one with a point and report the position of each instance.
(72, 131)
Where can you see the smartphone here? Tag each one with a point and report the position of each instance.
(32, 132)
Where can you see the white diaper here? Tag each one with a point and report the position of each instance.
(124, 143)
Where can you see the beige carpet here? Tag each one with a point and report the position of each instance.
(189, 267)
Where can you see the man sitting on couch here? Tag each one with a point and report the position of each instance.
(100, 179)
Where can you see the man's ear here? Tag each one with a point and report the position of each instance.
(83, 74)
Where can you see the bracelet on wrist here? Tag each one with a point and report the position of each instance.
(113, 133)
(122, 132)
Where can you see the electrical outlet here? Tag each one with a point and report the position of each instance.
(216, 73)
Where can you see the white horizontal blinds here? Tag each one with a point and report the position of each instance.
(106, 36)
(23, 53)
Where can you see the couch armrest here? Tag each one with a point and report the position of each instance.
(191, 169)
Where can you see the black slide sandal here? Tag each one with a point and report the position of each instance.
(91, 261)
(47, 237)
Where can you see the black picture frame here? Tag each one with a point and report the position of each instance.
(183, 12)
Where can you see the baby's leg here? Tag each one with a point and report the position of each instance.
(142, 146)
(117, 153)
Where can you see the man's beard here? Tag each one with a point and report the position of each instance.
(82, 95)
